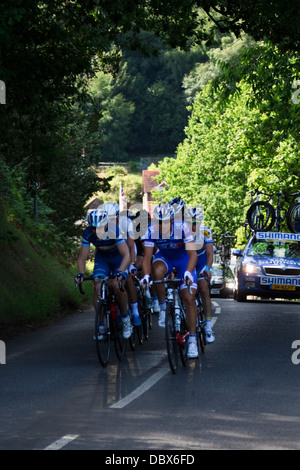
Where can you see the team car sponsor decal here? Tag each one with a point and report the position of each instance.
(293, 237)
(288, 281)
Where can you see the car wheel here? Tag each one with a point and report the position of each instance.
(241, 297)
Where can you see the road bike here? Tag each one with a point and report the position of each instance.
(176, 332)
(108, 321)
(265, 215)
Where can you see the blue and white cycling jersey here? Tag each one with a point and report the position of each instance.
(172, 247)
(202, 238)
(106, 245)
(107, 256)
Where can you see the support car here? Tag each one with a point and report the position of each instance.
(269, 267)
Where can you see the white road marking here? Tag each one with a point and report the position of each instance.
(217, 308)
(56, 445)
(141, 389)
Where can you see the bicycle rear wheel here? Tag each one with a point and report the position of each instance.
(293, 217)
(145, 313)
(171, 341)
(261, 216)
(102, 334)
(136, 336)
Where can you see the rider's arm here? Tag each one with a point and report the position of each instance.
(210, 256)
(193, 258)
(124, 252)
(84, 253)
(147, 260)
(131, 246)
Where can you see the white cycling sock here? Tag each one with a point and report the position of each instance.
(192, 338)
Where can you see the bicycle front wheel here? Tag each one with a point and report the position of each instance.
(183, 347)
(261, 216)
(102, 334)
(171, 341)
(119, 340)
(201, 337)
(293, 217)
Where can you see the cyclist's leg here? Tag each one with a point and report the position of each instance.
(160, 268)
(132, 297)
(188, 297)
(121, 295)
(205, 296)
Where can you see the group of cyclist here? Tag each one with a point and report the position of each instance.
(128, 245)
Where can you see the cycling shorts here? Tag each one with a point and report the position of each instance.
(179, 264)
(106, 264)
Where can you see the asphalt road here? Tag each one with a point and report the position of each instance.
(242, 394)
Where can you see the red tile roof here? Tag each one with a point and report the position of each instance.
(149, 182)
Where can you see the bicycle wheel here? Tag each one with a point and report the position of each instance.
(119, 340)
(261, 216)
(144, 316)
(201, 337)
(102, 334)
(183, 345)
(293, 217)
(137, 336)
(171, 341)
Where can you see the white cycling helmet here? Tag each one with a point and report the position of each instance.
(163, 212)
(195, 213)
(112, 209)
(97, 218)
(177, 204)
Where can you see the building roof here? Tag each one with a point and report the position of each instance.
(149, 182)
(93, 204)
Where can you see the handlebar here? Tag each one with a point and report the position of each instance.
(102, 279)
(170, 281)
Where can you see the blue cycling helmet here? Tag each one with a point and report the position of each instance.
(97, 218)
(178, 204)
(163, 212)
(112, 209)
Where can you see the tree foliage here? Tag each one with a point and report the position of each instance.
(239, 138)
(49, 50)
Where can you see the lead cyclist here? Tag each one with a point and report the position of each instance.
(175, 249)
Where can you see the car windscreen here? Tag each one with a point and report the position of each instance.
(277, 249)
(217, 271)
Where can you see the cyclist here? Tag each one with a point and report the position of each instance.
(204, 246)
(111, 257)
(176, 249)
(141, 223)
(124, 221)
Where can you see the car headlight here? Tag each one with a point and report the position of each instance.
(252, 269)
(230, 285)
